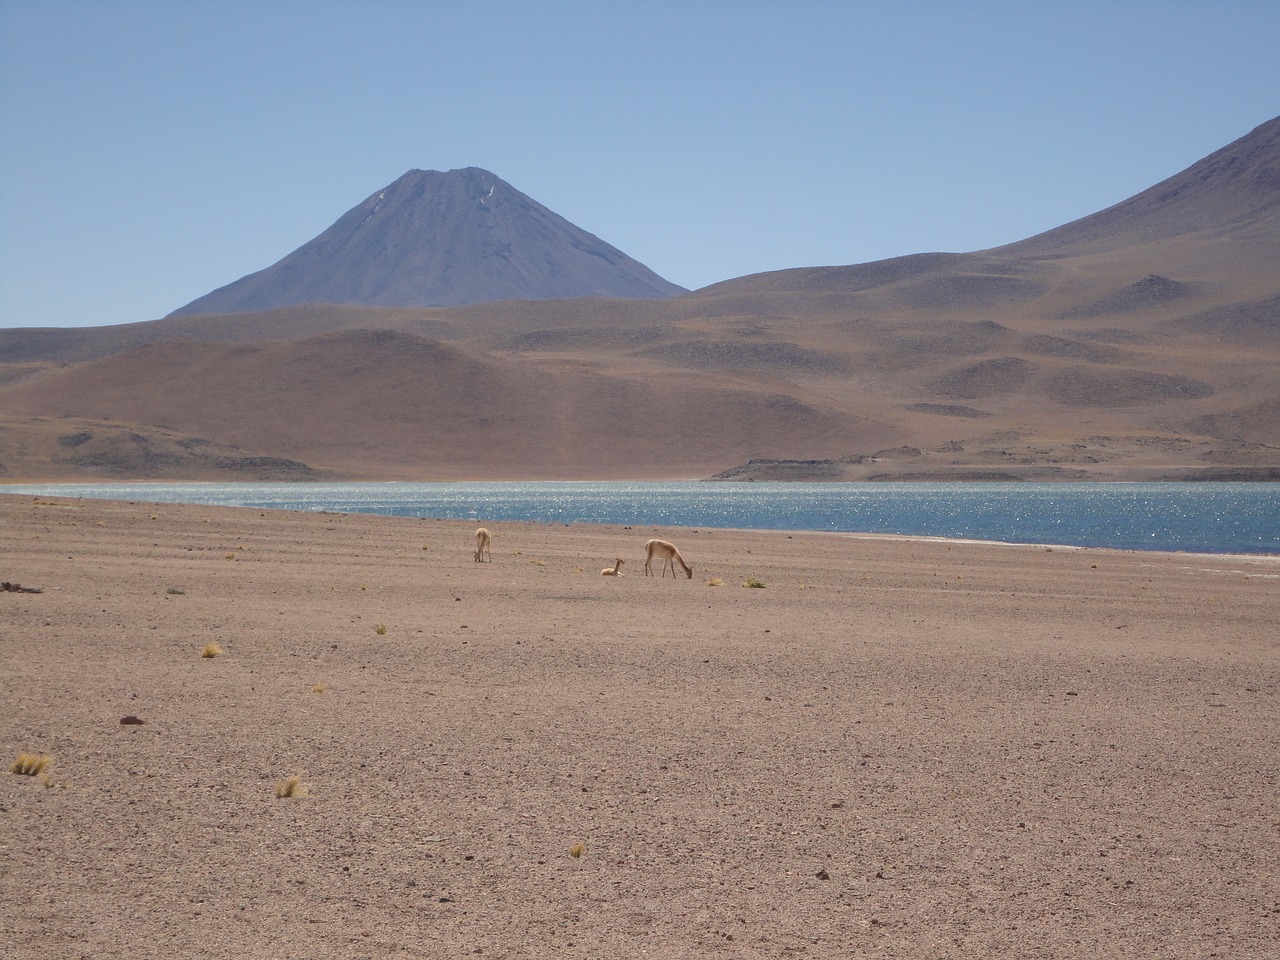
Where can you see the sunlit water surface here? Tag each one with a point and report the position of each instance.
(1198, 517)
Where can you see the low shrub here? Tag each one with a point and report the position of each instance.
(293, 787)
(29, 764)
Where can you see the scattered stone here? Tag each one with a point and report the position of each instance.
(131, 721)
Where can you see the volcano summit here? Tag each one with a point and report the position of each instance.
(435, 239)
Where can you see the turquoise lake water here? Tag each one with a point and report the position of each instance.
(1196, 517)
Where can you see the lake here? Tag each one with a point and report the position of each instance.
(1195, 517)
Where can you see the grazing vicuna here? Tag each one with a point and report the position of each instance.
(670, 557)
(483, 541)
(615, 570)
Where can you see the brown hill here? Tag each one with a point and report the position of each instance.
(1233, 194)
(1141, 342)
(57, 448)
(393, 401)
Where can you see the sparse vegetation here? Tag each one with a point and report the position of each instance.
(293, 787)
(29, 764)
(714, 582)
(753, 582)
(210, 651)
(380, 629)
(577, 850)
(319, 688)
(176, 592)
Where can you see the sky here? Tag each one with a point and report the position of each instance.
(154, 150)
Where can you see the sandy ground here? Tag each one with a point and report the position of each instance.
(893, 749)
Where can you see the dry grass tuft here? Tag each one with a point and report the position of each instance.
(293, 787)
(577, 850)
(319, 688)
(380, 629)
(753, 582)
(714, 582)
(29, 764)
(210, 651)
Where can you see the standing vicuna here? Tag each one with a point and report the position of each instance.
(483, 540)
(670, 557)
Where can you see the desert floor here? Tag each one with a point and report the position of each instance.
(895, 748)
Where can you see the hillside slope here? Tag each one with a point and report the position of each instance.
(436, 238)
(1141, 342)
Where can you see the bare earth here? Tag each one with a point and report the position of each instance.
(894, 749)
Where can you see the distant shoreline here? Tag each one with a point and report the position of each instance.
(1210, 519)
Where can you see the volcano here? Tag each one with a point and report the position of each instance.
(434, 239)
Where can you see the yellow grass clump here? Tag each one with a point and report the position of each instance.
(210, 651)
(577, 850)
(29, 764)
(753, 582)
(380, 629)
(293, 787)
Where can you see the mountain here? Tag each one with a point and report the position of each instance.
(1217, 220)
(1233, 193)
(1140, 342)
(442, 239)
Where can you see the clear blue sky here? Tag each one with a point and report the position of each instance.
(152, 151)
